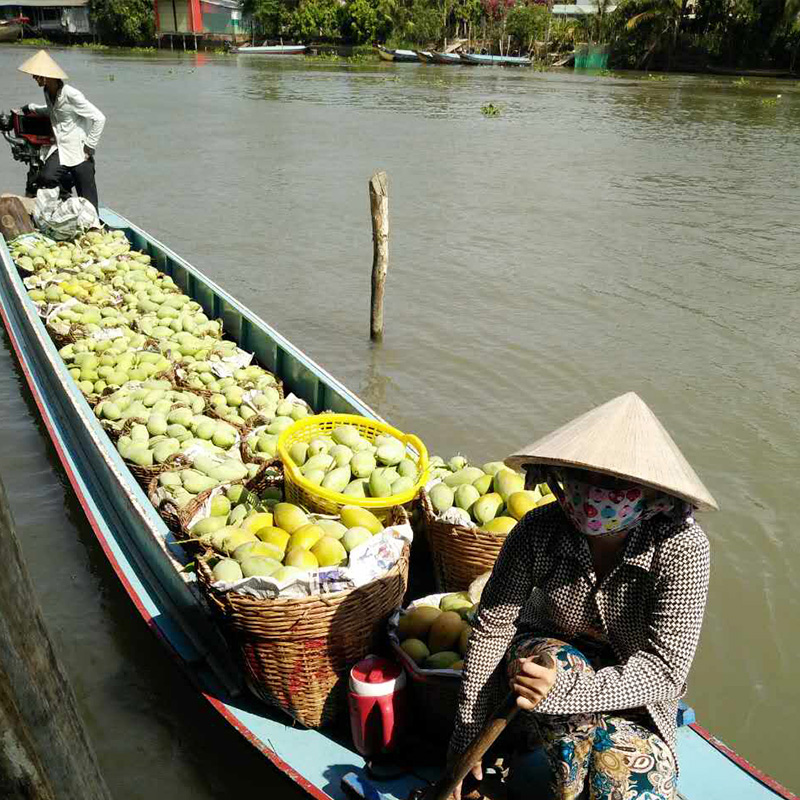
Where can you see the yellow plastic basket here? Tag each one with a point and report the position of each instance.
(299, 490)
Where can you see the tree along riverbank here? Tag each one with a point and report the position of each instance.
(685, 35)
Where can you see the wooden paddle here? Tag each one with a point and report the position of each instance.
(461, 767)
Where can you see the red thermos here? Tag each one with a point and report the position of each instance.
(377, 701)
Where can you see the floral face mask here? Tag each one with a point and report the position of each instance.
(599, 510)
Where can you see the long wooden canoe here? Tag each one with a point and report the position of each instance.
(271, 50)
(396, 55)
(146, 557)
(503, 61)
(445, 58)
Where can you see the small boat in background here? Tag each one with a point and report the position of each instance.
(425, 56)
(10, 30)
(751, 73)
(271, 50)
(476, 58)
(445, 58)
(396, 55)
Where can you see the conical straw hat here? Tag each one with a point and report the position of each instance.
(42, 64)
(623, 438)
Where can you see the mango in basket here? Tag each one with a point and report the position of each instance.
(257, 548)
(302, 559)
(329, 552)
(332, 528)
(260, 566)
(485, 509)
(285, 574)
(466, 495)
(227, 570)
(442, 660)
(208, 525)
(353, 516)
(277, 537)
(305, 537)
(233, 540)
(455, 602)
(520, 503)
(442, 497)
(289, 517)
(353, 537)
(500, 525)
(416, 623)
(220, 506)
(445, 632)
(506, 482)
(254, 522)
(416, 649)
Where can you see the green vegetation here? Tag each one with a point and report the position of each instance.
(491, 110)
(127, 22)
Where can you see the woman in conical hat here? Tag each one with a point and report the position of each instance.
(77, 125)
(611, 584)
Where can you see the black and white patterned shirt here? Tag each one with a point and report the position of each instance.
(650, 605)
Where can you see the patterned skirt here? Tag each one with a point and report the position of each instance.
(611, 755)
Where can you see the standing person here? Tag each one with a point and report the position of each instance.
(611, 583)
(77, 126)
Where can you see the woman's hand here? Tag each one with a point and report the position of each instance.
(532, 682)
(477, 773)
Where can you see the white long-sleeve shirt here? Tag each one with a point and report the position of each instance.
(76, 122)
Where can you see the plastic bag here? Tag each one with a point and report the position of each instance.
(63, 219)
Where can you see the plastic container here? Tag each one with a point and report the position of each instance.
(302, 492)
(378, 705)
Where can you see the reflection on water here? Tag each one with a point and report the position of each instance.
(604, 233)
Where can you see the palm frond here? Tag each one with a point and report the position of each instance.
(638, 19)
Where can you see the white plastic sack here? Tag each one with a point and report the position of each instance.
(63, 219)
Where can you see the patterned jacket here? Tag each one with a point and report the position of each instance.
(650, 605)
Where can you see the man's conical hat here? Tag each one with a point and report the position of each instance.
(43, 64)
(623, 438)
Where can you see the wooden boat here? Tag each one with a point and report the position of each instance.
(271, 50)
(445, 58)
(10, 31)
(146, 557)
(503, 61)
(425, 56)
(397, 55)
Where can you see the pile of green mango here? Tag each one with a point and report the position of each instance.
(348, 463)
(277, 539)
(97, 365)
(492, 497)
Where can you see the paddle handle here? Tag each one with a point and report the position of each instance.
(497, 723)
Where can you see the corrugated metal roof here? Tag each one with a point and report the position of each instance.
(44, 3)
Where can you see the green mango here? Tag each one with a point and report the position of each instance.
(442, 497)
(402, 484)
(408, 469)
(356, 488)
(363, 464)
(483, 484)
(208, 525)
(486, 508)
(506, 482)
(337, 479)
(466, 495)
(465, 475)
(298, 452)
(391, 453)
(379, 486)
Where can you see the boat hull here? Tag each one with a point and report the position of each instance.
(10, 33)
(274, 50)
(502, 61)
(445, 58)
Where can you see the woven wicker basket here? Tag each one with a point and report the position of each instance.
(296, 652)
(177, 519)
(459, 554)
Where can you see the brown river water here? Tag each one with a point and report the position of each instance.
(603, 234)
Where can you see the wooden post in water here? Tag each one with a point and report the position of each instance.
(379, 206)
(47, 754)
